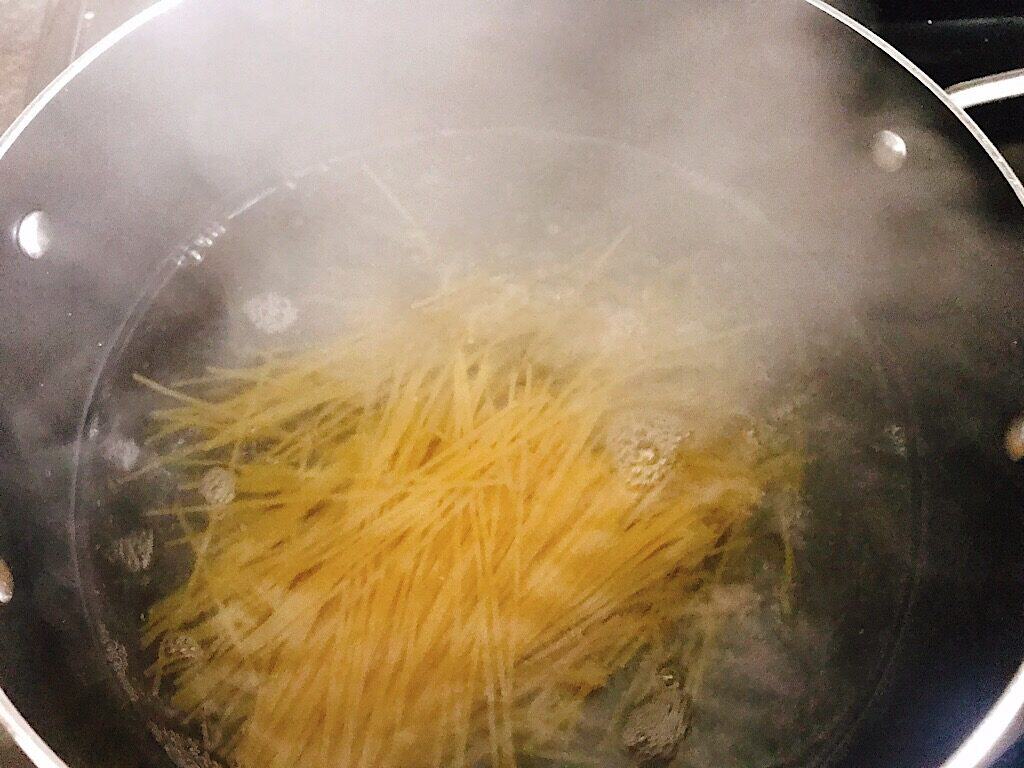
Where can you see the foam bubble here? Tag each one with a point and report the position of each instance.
(271, 312)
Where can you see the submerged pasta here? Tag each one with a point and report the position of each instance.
(441, 537)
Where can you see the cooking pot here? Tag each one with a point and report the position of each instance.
(795, 163)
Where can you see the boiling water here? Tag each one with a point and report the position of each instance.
(344, 246)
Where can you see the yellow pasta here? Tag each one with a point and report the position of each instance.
(433, 553)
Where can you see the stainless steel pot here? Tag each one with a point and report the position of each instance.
(164, 136)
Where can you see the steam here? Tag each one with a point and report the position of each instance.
(734, 138)
(732, 143)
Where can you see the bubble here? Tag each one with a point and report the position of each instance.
(134, 552)
(668, 676)
(116, 656)
(653, 731)
(643, 446)
(217, 487)
(183, 751)
(271, 312)
(897, 436)
(122, 452)
(180, 648)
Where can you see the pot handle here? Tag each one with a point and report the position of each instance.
(6, 583)
(988, 89)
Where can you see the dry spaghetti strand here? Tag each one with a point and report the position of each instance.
(433, 556)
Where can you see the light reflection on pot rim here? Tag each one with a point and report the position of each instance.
(25, 737)
(1003, 724)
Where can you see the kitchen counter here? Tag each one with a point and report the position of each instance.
(21, 23)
